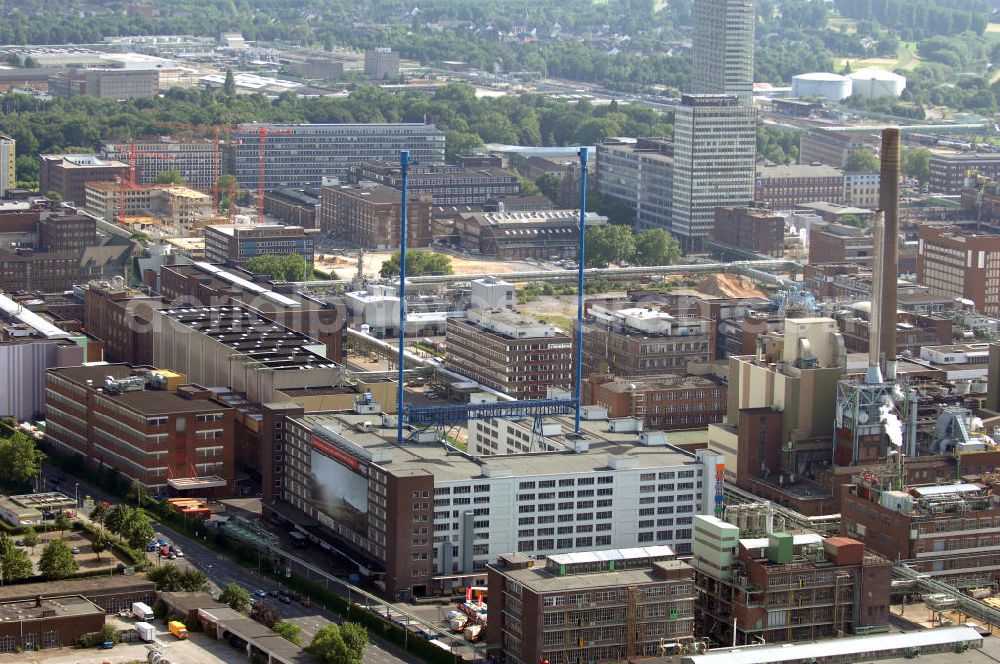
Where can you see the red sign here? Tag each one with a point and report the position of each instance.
(468, 594)
(335, 453)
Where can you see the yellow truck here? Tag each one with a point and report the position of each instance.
(178, 629)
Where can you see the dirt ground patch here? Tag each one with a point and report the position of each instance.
(728, 285)
(86, 559)
(345, 265)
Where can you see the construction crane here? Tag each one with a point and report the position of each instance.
(217, 167)
(264, 132)
(130, 182)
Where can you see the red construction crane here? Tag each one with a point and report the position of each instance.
(130, 182)
(217, 170)
(264, 133)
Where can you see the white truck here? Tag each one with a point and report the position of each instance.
(146, 631)
(141, 611)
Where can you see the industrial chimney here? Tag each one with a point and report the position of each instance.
(874, 373)
(888, 202)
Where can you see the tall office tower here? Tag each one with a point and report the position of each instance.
(723, 48)
(7, 175)
(715, 146)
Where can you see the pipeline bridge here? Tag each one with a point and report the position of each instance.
(758, 270)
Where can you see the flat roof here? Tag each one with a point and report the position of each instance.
(449, 465)
(858, 646)
(798, 171)
(147, 401)
(87, 586)
(542, 580)
(663, 382)
(54, 607)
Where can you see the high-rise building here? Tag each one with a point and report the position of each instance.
(381, 62)
(723, 47)
(68, 174)
(714, 153)
(302, 155)
(7, 157)
(640, 175)
(194, 158)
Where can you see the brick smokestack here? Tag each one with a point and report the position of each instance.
(888, 201)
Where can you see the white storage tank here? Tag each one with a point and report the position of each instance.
(877, 83)
(821, 84)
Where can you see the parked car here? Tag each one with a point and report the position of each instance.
(75, 550)
(19, 542)
(260, 593)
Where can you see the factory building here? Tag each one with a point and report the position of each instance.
(429, 518)
(590, 606)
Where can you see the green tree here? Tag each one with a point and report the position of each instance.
(57, 561)
(228, 185)
(237, 597)
(20, 460)
(862, 161)
(99, 546)
(339, 644)
(289, 267)
(117, 517)
(417, 263)
(916, 163)
(549, 184)
(170, 578)
(171, 176)
(289, 630)
(30, 538)
(55, 197)
(62, 523)
(611, 243)
(109, 633)
(656, 247)
(265, 614)
(15, 564)
(99, 514)
(137, 529)
(229, 85)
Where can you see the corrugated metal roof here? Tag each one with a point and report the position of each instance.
(859, 646)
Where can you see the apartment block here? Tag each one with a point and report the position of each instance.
(667, 402)
(948, 170)
(781, 587)
(833, 148)
(297, 207)
(526, 235)
(839, 243)
(913, 330)
(785, 187)
(109, 200)
(8, 176)
(196, 159)
(509, 352)
(637, 341)
(447, 184)
(429, 519)
(232, 244)
(381, 63)
(68, 174)
(861, 190)
(145, 423)
(121, 84)
(302, 155)
(715, 145)
(590, 606)
(640, 175)
(370, 215)
(749, 229)
(71, 233)
(960, 265)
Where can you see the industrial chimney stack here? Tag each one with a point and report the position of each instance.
(889, 256)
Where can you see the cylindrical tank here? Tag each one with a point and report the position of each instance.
(876, 83)
(821, 84)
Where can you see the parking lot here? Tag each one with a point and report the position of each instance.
(77, 541)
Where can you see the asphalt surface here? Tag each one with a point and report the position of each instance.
(222, 571)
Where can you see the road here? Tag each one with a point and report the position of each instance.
(221, 571)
